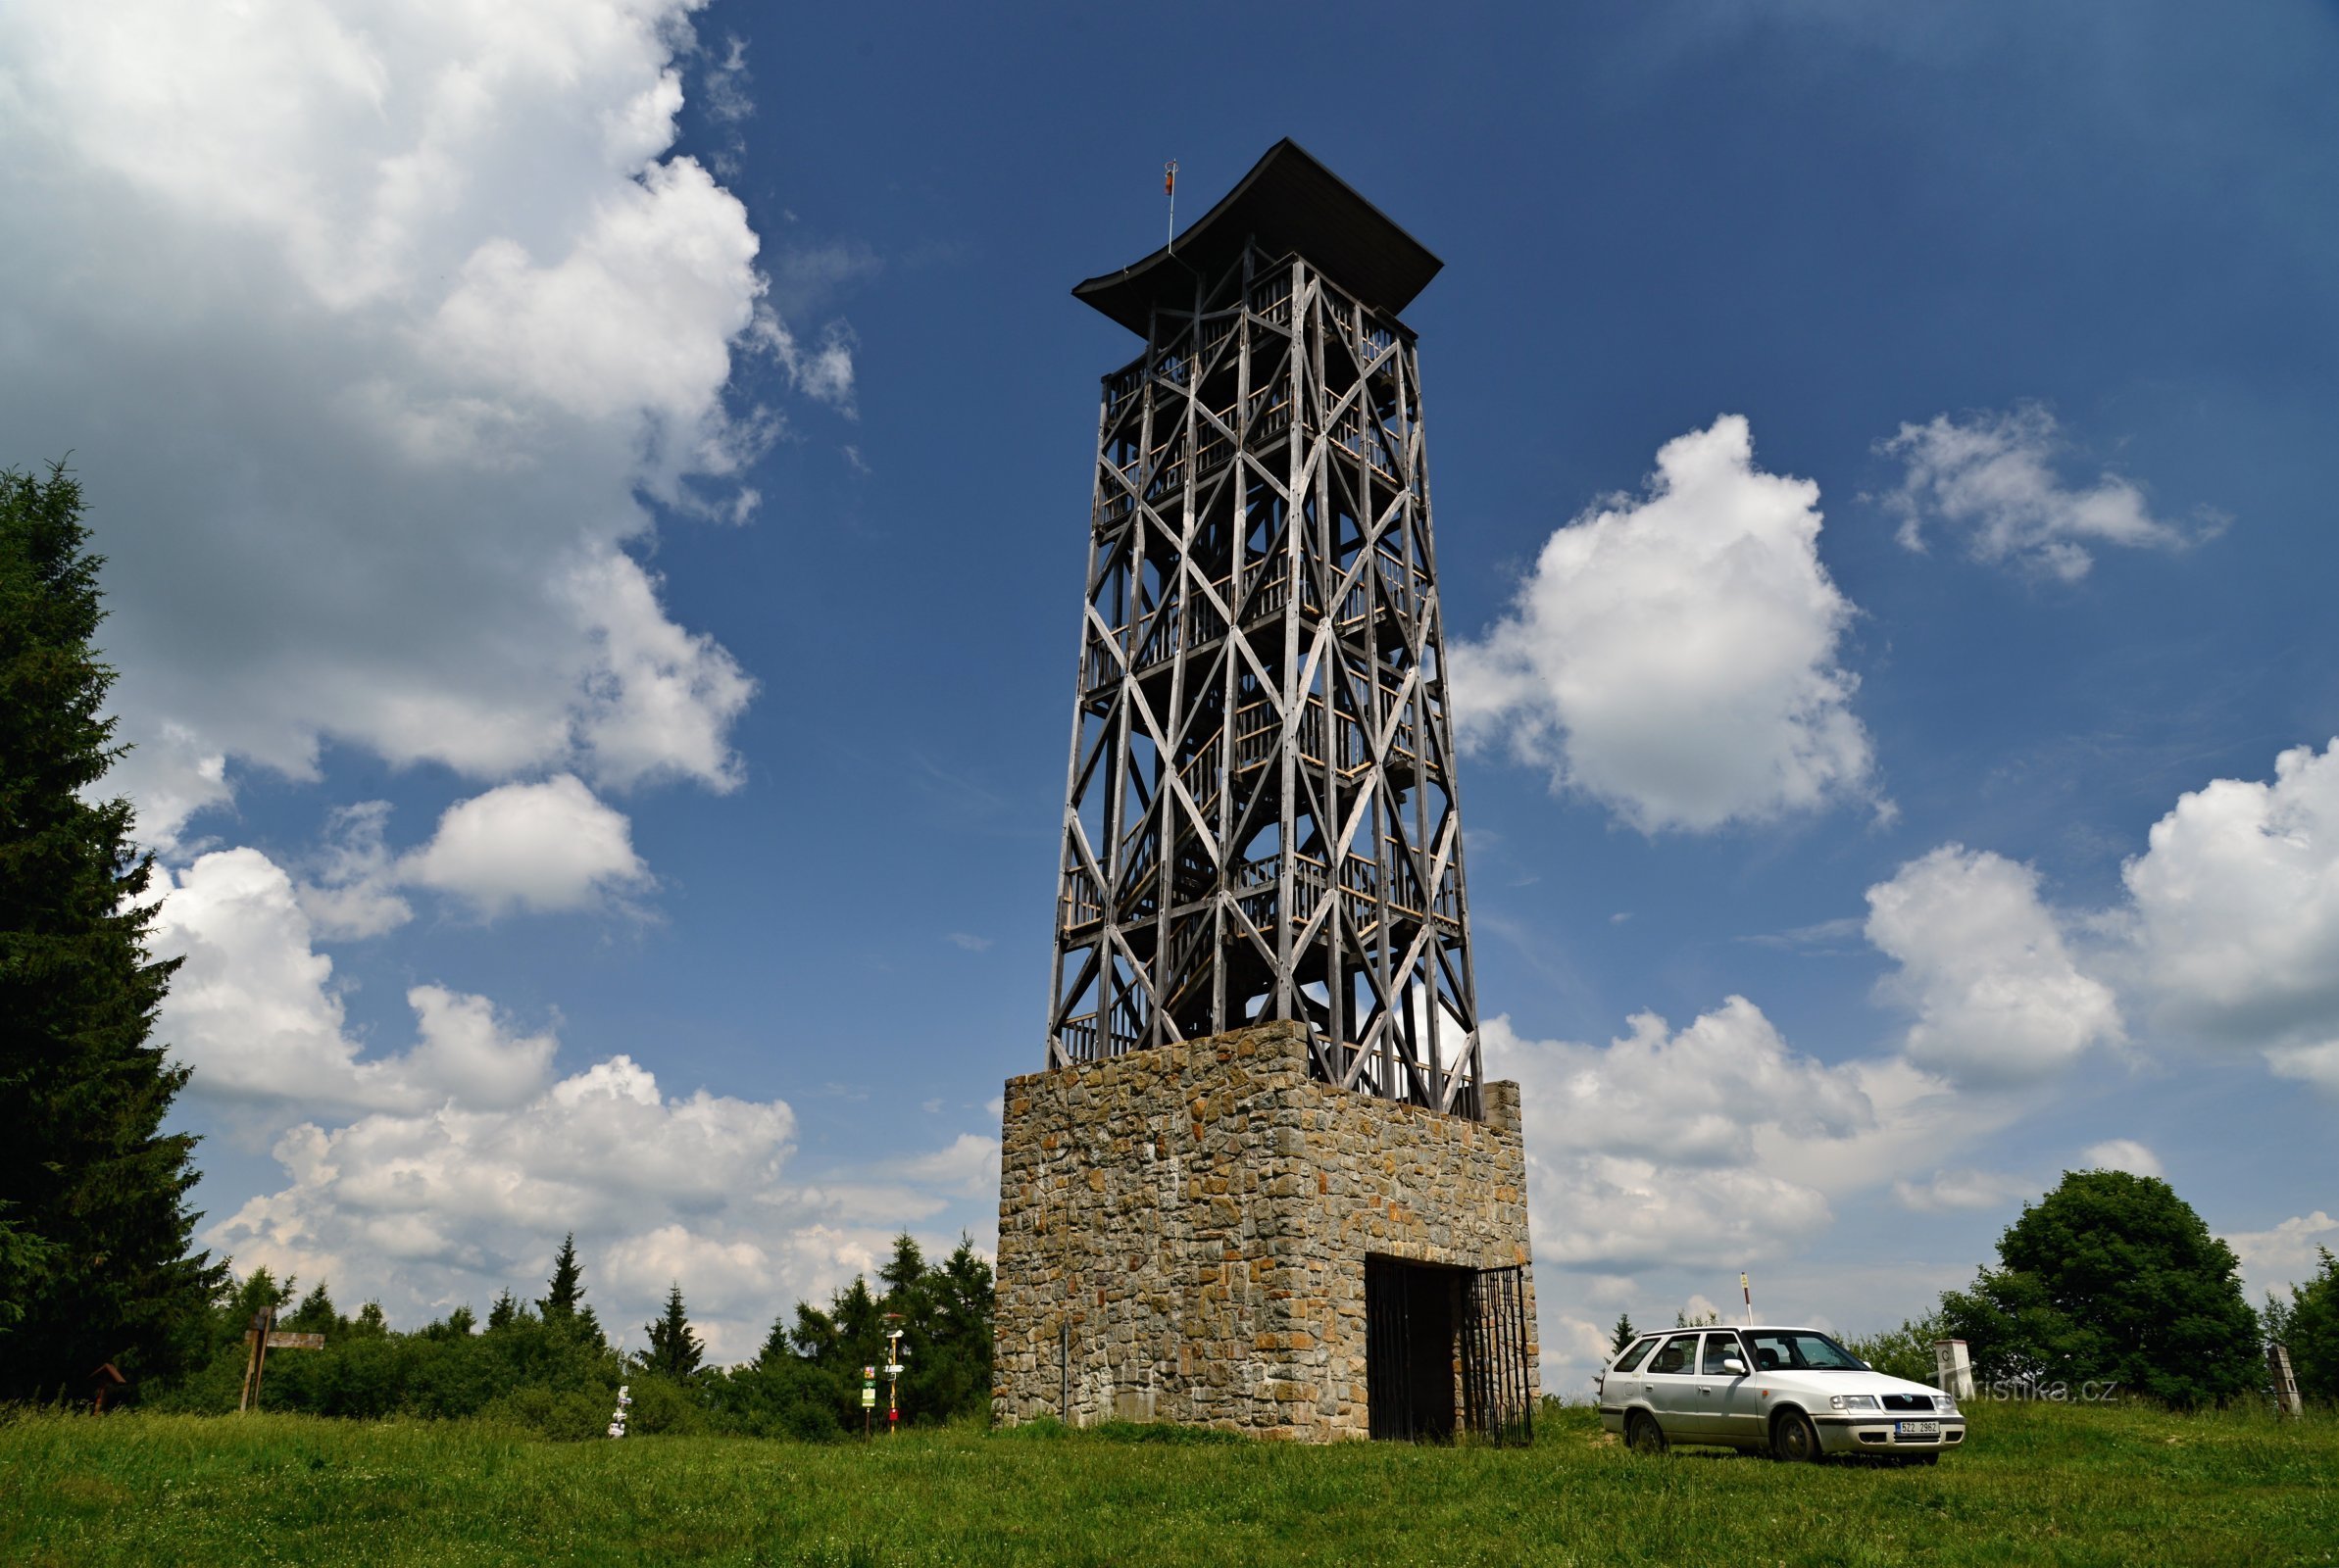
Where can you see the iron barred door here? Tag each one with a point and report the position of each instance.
(1494, 1355)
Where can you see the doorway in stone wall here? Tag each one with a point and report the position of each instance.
(1410, 1312)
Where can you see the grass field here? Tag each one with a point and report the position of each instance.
(2035, 1484)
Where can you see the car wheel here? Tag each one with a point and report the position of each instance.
(1642, 1433)
(1794, 1439)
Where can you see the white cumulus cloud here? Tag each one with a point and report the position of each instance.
(2290, 1253)
(254, 1011)
(1991, 476)
(369, 326)
(549, 846)
(2122, 1154)
(1998, 997)
(1950, 1191)
(443, 1172)
(1647, 1150)
(2236, 910)
(1675, 655)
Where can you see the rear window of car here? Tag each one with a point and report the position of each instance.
(1679, 1356)
(1633, 1353)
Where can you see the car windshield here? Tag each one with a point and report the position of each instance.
(1802, 1350)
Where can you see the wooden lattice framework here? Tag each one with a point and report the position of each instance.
(1259, 816)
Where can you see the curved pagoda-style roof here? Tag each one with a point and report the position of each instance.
(1288, 202)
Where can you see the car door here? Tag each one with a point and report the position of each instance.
(1621, 1385)
(1670, 1384)
(1730, 1403)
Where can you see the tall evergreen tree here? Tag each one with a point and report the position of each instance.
(675, 1352)
(563, 1303)
(98, 1260)
(1624, 1334)
(565, 1290)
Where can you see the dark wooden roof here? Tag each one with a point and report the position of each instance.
(1289, 202)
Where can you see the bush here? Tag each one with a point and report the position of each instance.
(1903, 1352)
(565, 1417)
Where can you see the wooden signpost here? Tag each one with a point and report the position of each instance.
(2286, 1383)
(263, 1336)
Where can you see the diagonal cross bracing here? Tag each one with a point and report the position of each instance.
(1259, 816)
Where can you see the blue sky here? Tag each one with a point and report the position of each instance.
(596, 503)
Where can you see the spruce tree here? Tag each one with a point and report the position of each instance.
(566, 1289)
(563, 1303)
(1624, 1334)
(98, 1258)
(675, 1352)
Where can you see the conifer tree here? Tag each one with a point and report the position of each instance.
(675, 1352)
(563, 1301)
(97, 1259)
(1624, 1333)
(503, 1310)
(566, 1289)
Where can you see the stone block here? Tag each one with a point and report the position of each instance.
(1231, 1202)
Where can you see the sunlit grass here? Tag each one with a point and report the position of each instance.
(2033, 1485)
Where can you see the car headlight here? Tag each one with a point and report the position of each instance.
(1945, 1403)
(1852, 1402)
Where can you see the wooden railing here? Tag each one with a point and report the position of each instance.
(1080, 1037)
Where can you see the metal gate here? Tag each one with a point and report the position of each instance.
(1496, 1401)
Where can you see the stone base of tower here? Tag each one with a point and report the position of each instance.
(1184, 1236)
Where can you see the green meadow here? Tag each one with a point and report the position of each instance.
(2035, 1484)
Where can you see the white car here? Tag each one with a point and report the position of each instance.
(1788, 1391)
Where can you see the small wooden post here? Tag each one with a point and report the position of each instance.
(2286, 1384)
(256, 1337)
(262, 1338)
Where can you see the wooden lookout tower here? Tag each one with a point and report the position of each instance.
(1262, 1183)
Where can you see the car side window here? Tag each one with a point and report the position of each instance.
(1679, 1356)
(1632, 1355)
(1718, 1349)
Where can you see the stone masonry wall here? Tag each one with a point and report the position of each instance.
(1198, 1216)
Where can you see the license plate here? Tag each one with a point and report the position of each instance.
(1916, 1429)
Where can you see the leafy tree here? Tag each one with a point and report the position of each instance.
(96, 1260)
(675, 1351)
(780, 1393)
(2111, 1276)
(1624, 1334)
(1903, 1352)
(2310, 1326)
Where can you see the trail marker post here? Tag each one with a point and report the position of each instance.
(893, 1373)
(2286, 1384)
(263, 1336)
